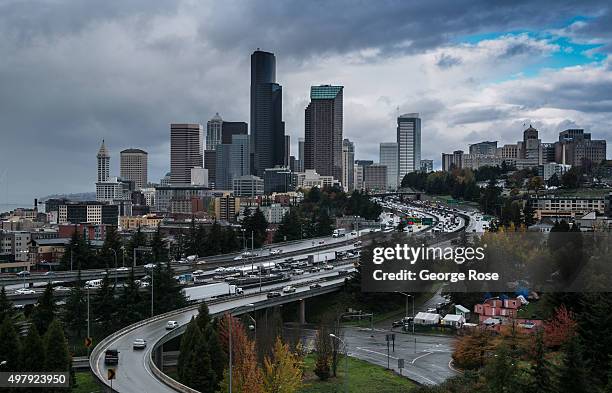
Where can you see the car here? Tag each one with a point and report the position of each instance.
(298, 272)
(220, 269)
(237, 258)
(171, 325)
(49, 273)
(144, 284)
(275, 252)
(111, 356)
(432, 310)
(149, 266)
(61, 289)
(272, 294)
(123, 269)
(315, 286)
(25, 291)
(314, 269)
(23, 273)
(321, 241)
(139, 343)
(288, 289)
(327, 266)
(397, 324)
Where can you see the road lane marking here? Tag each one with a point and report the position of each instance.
(378, 353)
(418, 357)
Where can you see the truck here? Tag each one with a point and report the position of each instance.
(321, 257)
(340, 232)
(211, 290)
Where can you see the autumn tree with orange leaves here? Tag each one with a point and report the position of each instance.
(560, 328)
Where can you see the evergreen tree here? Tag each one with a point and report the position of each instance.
(9, 346)
(103, 307)
(215, 351)
(110, 248)
(138, 240)
(131, 305)
(325, 225)
(572, 374)
(78, 253)
(57, 356)
(74, 313)
(194, 363)
(542, 381)
(44, 312)
(256, 226)
(33, 351)
(215, 239)
(158, 244)
(167, 293)
(191, 242)
(290, 227)
(6, 307)
(529, 214)
(553, 181)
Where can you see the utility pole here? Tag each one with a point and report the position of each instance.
(88, 335)
(152, 286)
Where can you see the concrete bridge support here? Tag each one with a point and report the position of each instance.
(302, 311)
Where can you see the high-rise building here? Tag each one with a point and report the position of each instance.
(389, 157)
(267, 126)
(213, 132)
(231, 128)
(134, 166)
(210, 164)
(323, 131)
(452, 161)
(530, 148)
(348, 165)
(409, 144)
(232, 161)
(248, 186)
(575, 147)
(375, 177)
(359, 169)
(484, 148)
(103, 163)
(287, 149)
(301, 144)
(279, 179)
(185, 151)
(426, 166)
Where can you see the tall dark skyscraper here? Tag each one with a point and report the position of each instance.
(231, 128)
(185, 151)
(267, 126)
(323, 131)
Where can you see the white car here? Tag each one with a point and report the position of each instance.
(171, 325)
(150, 266)
(328, 267)
(288, 289)
(276, 252)
(238, 258)
(61, 289)
(25, 291)
(220, 270)
(139, 343)
(298, 272)
(123, 269)
(197, 272)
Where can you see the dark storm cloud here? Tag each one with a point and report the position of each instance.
(74, 72)
(304, 28)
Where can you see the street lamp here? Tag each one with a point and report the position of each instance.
(407, 296)
(346, 375)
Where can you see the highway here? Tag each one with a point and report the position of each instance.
(137, 372)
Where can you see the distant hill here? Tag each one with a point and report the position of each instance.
(81, 196)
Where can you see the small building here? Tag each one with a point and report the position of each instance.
(460, 310)
(504, 309)
(454, 320)
(425, 318)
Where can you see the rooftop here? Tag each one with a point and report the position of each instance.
(325, 92)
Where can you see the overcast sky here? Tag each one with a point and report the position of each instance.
(74, 72)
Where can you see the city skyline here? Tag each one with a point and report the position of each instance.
(551, 71)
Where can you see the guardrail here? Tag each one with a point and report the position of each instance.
(174, 384)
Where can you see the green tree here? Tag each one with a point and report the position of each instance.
(74, 312)
(323, 348)
(57, 356)
(167, 293)
(158, 245)
(33, 351)
(78, 254)
(103, 307)
(194, 363)
(111, 247)
(138, 240)
(325, 225)
(571, 178)
(529, 214)
(553, 181)
(541, 372)
(290, 227)
(572, 374)
(9, 346)
(130, 302)
(6, 307)
(44, 312)
(256, 226)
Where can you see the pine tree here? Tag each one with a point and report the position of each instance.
(57, 357)
(130, 302)
(44, 312)
(74, 312)
(138, 240)
(572, 374)
(9, 346)
(110, 248)
(158, 244)
(215, 352)
(167, 293)
(256, 226)
(103, 307)
(6, 307)
(33, 351)
(290, 227)
(325, 225)
(542, 378)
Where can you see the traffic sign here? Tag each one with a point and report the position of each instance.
(111, 374)
(400, 363)
(88, 342)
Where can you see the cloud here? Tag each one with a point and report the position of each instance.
(74, 73)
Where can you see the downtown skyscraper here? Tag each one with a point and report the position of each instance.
(186, 143)
(267, 126)
(409, 144)
(323, 131)
(388, 157)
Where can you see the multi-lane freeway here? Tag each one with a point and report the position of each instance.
(137, 371)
